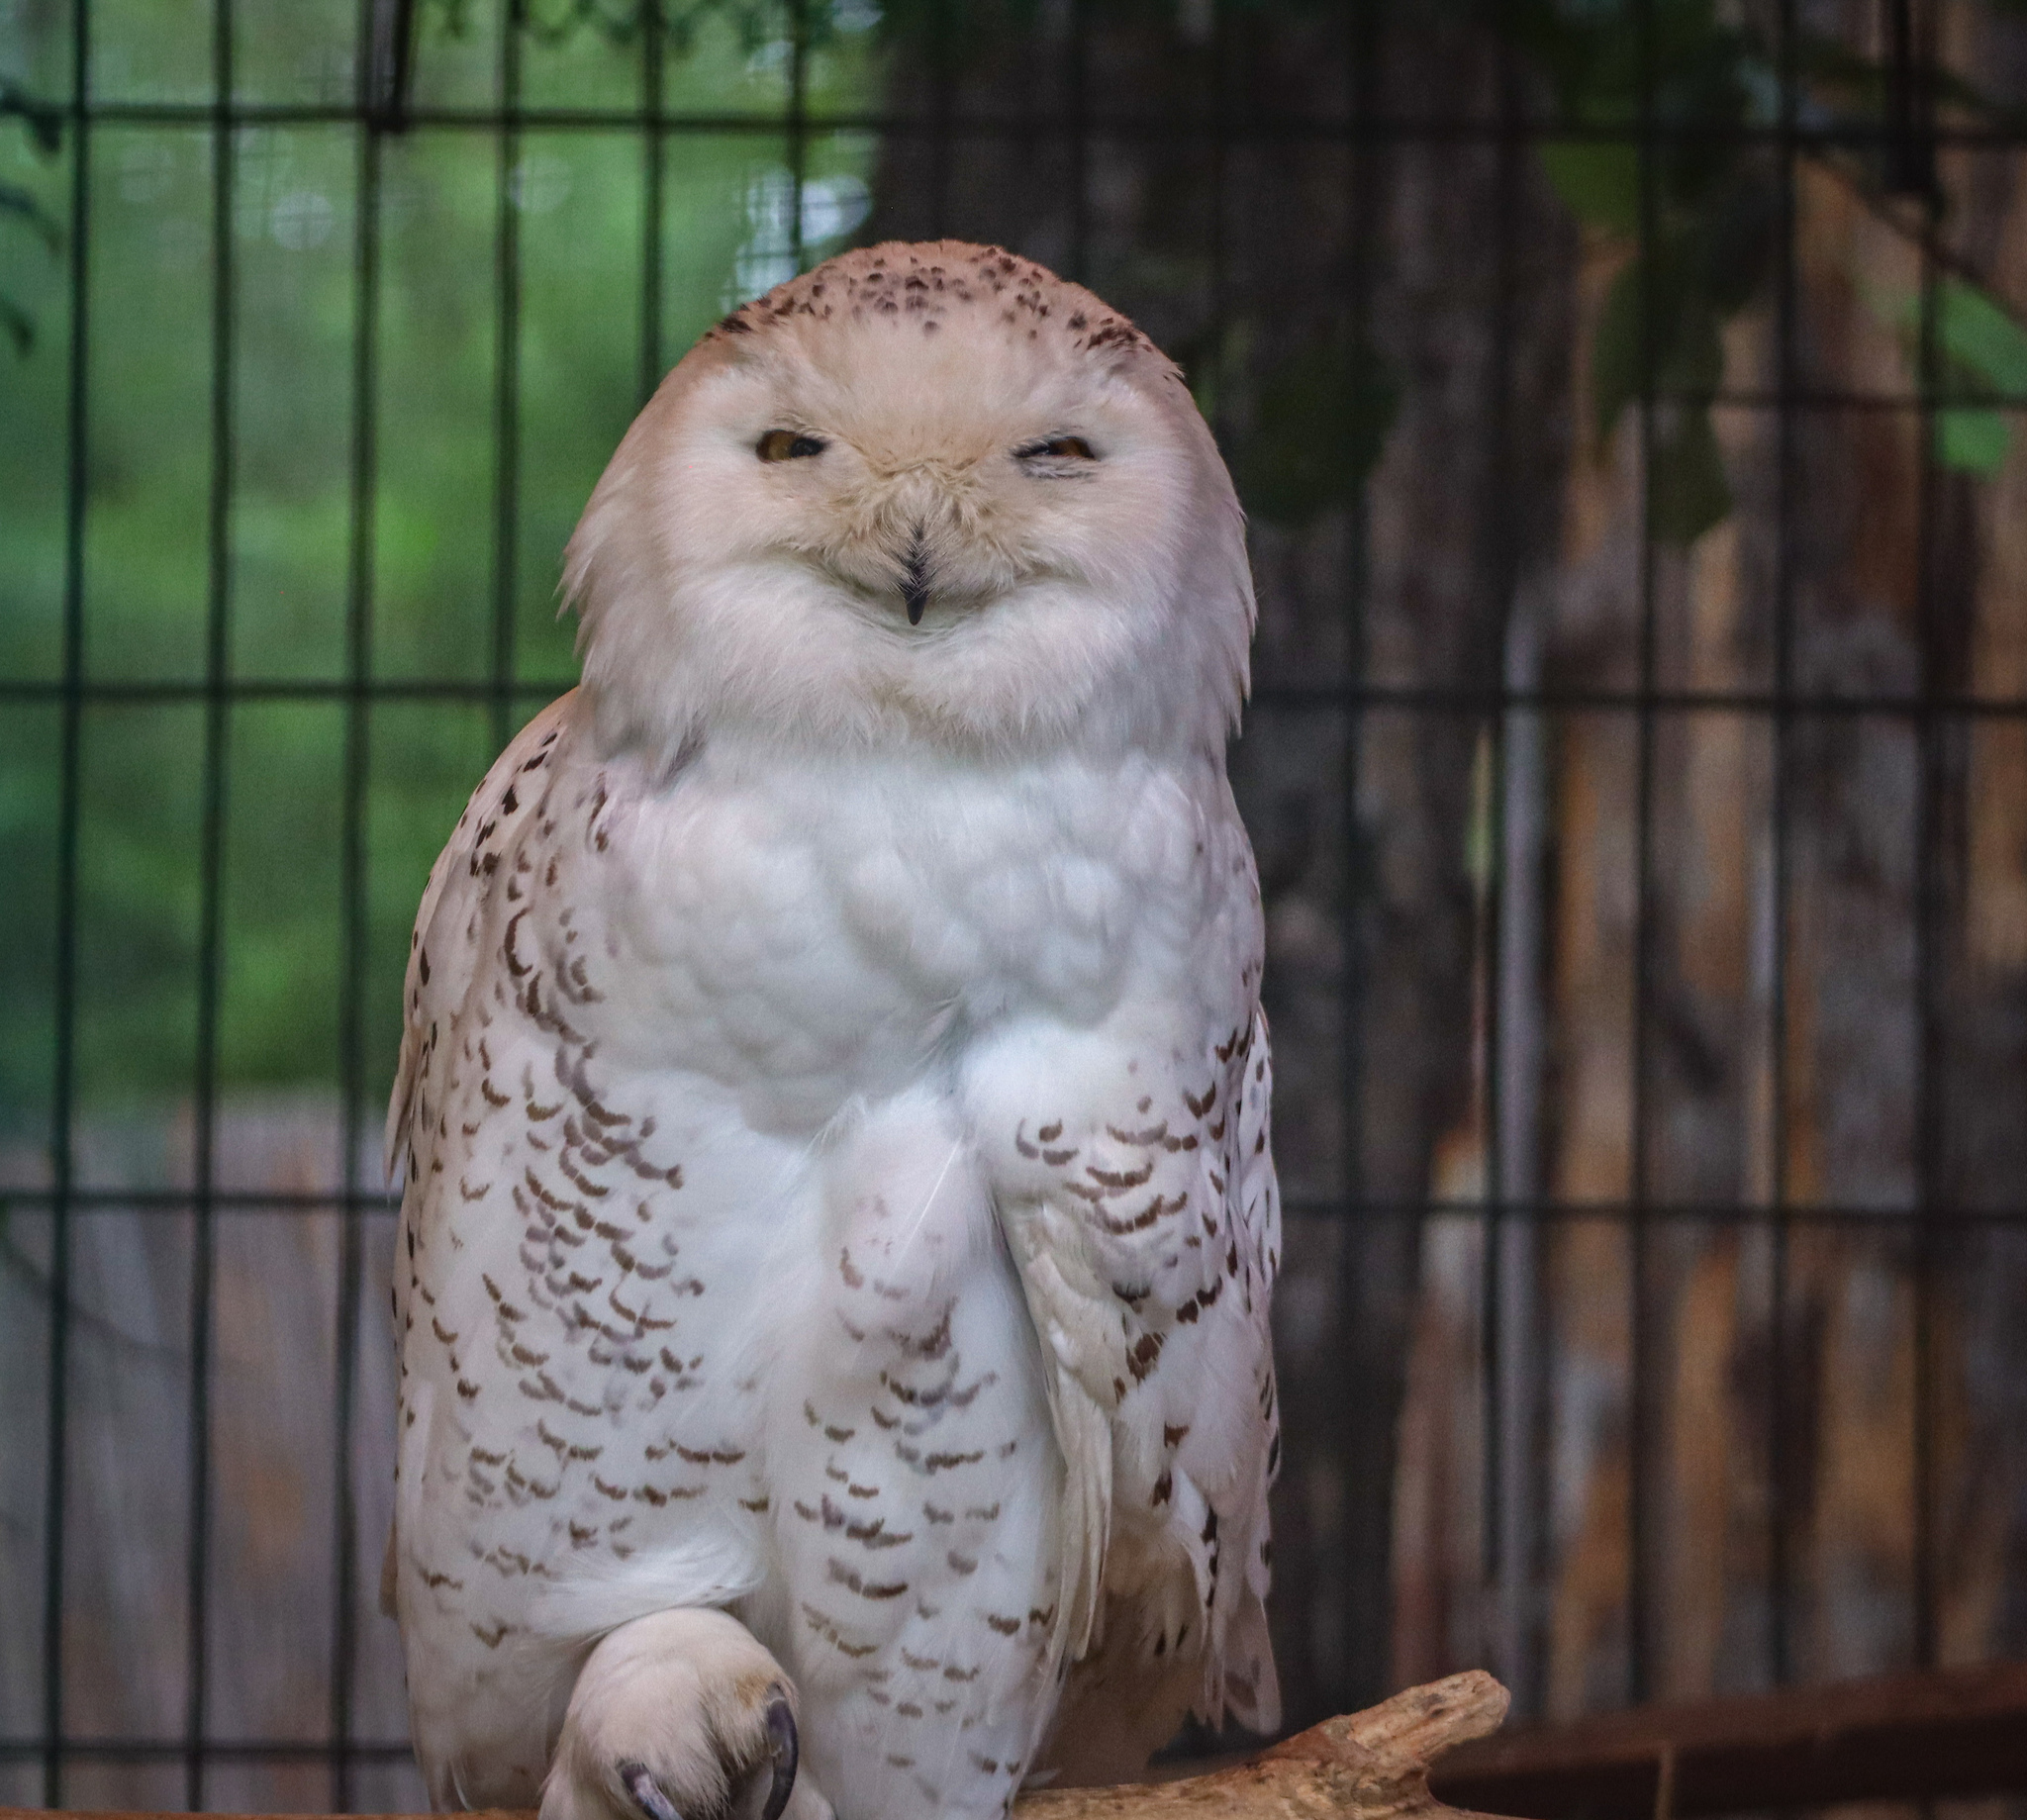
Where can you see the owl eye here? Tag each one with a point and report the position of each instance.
(1057, 448)
(787, 445)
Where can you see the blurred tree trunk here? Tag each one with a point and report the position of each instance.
(1434, 269)
(1723, 947)
(1900, 874)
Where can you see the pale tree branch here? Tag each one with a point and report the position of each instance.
(1371, 1765)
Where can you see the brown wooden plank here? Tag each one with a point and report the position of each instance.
(1929, 1733)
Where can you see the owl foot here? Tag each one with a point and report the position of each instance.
(680, 1716)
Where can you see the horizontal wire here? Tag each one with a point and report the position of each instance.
(1456, 128)
(178, 1199)
(1829, 398)
(1552, 700)
(149, 1749)
(39, 692)
(146, 692)
(1709, 1213)
(1825, 1213)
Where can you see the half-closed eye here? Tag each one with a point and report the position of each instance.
(788, 445)
(1058, 448)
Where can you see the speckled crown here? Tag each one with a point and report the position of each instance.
(925, 281)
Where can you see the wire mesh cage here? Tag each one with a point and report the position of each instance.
(1624, 397)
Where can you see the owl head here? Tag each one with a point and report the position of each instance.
(923, 494)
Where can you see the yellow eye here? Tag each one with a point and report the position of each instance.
(787, 445)
(1060, 448)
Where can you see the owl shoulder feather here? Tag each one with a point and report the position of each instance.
(439, 969)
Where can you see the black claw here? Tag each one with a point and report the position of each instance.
(647, 1792)
(785, 1750)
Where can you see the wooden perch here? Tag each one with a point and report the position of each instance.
(1934, 1733)
(1370, 1766)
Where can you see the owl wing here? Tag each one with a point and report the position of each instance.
(1147, 1234)
(558, 1468)
(441, 970)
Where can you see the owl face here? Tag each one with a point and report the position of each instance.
(920, 494)
(930, 478)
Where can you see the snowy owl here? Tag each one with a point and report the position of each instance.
(839, 1223)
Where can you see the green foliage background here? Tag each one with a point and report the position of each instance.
(293, 232)
(1701, 215)
(1698, 221)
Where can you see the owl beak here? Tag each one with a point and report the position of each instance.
(914, 581)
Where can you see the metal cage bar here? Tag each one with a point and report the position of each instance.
(1515, 1212)
(1784, 310)
(352, 895)
(1640, 1425)
(217, 727)
(63, 1069)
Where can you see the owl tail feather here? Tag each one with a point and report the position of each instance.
(1084, 1434)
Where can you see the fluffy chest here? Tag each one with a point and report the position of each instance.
(825, 932)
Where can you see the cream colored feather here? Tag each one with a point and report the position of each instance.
(834, 1099)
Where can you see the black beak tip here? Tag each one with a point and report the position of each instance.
(914, 580)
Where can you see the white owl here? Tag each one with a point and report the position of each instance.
(832, 1292)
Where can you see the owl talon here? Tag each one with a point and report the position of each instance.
(653, 1802)
(784, 1750)
(681, 1715)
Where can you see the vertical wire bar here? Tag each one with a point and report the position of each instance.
(63, 1066)
(797, 122)
(942, 105)
(1910, 143)
(1928, 905)
(353, 916)
(1780, 1662)
(1220, 269)
(653, 54)
(1079, 146)
(506, 377)
(1360, 1658)
(1502, 573)
(1510, 1301)
(211, 910)
(1529, 1336)
(1638, 1425)
(1519, 1340)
